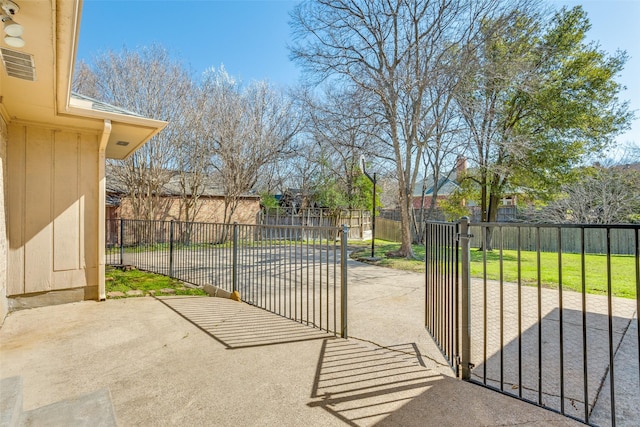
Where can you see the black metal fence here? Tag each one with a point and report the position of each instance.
(296, 272)
(557, 329)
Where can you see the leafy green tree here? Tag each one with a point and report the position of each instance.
(454, 207)
(537, 100)
(268, 201)
(333, 192)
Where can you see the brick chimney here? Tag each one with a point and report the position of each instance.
(461, 166)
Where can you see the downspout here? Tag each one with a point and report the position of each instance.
(104, 139)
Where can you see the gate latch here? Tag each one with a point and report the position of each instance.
(463, 236)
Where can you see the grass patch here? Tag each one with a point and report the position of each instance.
(362, 251)
(118, 280)
(622, 268)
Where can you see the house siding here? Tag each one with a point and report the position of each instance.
(52, 215)
(4, 306)
(426, 202)
(211, 210)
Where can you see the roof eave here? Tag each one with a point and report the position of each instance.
(145, 128)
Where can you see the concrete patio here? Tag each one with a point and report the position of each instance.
(211, 361)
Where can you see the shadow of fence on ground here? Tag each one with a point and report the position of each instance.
(550, 359)
(361, 385)
(238, 325)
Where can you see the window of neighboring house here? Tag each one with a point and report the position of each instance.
(508, 201)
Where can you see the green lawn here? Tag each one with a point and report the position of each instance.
(123, 281)
(623, 271)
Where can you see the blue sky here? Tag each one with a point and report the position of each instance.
(250, 37)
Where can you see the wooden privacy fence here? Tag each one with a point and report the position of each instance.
(388, 229)
(505, 214)
(358, 220)
(621, 239)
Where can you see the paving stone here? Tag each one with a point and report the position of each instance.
(115, 294)
(93, 409)
(168, 291)
(135, 293)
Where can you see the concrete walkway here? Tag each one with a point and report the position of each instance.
(201, 361)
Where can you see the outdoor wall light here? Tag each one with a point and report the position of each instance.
(14, 41)
(12, 29)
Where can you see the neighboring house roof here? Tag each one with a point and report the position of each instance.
(212, 188)
(630, 166)
(445, 186)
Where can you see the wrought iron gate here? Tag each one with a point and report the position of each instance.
(550, 317)
(447, 278)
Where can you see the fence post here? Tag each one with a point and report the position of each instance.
(121, 241)
(234, 268)
(465, 325)
(343, 281)
(171, 247)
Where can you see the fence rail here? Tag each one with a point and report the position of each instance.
(296, 272)
(572, 347)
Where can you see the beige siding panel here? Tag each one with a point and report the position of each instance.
(15, 201)
(4, 252)
(91, 276)
(66, 209)
(38, 203)
(70, 279)
(89, 201)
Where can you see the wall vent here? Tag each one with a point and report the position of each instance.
(19, 65)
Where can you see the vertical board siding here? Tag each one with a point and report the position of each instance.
(38, 226)
(52, 210)
(66, 211)
(4, 255)
(15, 185)
(89, 189)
